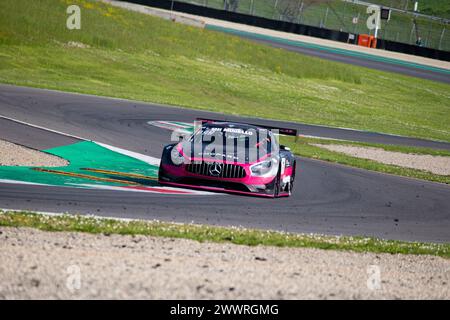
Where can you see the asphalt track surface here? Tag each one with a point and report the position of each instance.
(328, 198)
(358, 61)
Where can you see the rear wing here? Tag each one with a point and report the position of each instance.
(283, 131)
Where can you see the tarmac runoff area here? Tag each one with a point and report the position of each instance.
(44, 265)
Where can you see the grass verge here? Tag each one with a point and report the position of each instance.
(302, 146)
(130, 55)
(202, 233)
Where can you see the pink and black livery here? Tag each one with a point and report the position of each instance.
(231, 157)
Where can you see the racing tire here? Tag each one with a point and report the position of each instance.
(277, 185)
(289, 188)
(291, 184)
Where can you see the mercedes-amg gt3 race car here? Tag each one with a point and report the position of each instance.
(231, 157)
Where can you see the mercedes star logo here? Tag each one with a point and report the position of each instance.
(215, 169)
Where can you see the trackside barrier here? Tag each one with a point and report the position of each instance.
(365, 40)
(289, 27)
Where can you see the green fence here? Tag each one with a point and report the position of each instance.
(404, 27)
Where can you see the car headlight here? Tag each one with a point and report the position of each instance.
(265, 168)
(176, 157)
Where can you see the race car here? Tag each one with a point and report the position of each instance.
(231, 157)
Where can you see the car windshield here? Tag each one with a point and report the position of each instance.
(233, 140)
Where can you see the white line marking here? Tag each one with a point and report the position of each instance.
(144, 158)
(169, 126)
(23, 182)
(160, 190)
(44, 128)
(184, 109)
(171, 123)
(147, 159)
(188, 192)
(164, 125)
(139, 156)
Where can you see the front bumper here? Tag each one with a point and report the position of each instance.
(178, 176)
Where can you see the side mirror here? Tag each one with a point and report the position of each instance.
(283, 147)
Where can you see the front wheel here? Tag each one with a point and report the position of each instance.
(291, 184)
(277, 185)
(289, 188)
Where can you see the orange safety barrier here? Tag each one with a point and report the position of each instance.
(367, 41)
(364, 40)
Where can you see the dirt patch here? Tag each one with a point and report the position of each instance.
(44, 265)
(434, 164)
(75, 44)
(12, 154)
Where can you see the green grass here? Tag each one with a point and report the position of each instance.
(302, 146)
(145, 58)
(438, 8)
(203, 233)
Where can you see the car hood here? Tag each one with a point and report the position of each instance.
(207, 154)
